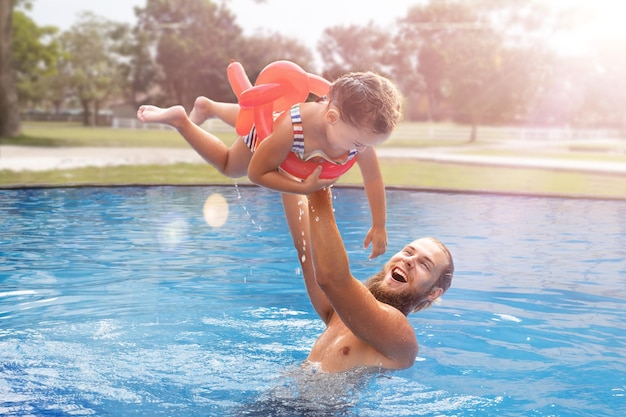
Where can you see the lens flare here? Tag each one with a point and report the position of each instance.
(173, 233)
(215, 210)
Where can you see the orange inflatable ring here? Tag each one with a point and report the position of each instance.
(278, 87)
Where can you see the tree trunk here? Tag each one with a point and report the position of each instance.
(473, 132)
(9, 110)
(86, 112)
(475, 120)
(96, 112)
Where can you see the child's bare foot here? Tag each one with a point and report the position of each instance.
(202, 110)
(171, 116)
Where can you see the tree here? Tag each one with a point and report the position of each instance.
(194, 42)
(257, 51)
(9, 111)
(94, 62)
(141, 70)
(526, 62)
(605, 100)
(355, 48)
(456, 51)
(35, 53)
(482, 60)
(475, 76)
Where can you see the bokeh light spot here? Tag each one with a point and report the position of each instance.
(215, 210)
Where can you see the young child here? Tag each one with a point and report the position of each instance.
(361, 111)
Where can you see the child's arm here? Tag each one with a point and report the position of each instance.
(375, 191)
(263, 168)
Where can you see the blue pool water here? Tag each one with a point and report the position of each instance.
(125, 302)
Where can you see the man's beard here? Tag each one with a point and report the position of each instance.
(404, 301)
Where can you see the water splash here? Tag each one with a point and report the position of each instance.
(245, 209)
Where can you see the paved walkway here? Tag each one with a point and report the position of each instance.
(32, 158)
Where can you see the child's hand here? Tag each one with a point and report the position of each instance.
(377, 236)
(313, 182)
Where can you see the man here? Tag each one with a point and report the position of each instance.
(366, 324)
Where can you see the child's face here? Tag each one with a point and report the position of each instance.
(346, 136)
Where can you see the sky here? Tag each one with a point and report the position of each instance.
(305, 20)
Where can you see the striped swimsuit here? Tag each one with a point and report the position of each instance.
(252, 141)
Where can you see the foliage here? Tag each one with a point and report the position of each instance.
(92, 66)
(355, 48)
(195, 40)
(486, 62)
(35, 54)
(140, 71)
(24, 4)
(467, 61)
(258, 51)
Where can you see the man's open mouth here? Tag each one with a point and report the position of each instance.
(398, 275)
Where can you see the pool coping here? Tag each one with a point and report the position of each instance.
(347, 186)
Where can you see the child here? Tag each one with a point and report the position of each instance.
(361, 111)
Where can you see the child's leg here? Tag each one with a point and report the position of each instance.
(204, 108)
(232, 162)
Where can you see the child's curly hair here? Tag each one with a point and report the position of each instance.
(367, 100)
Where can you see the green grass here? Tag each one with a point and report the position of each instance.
(476, 178)
(139, 174)
(73, 134)
(397, 173)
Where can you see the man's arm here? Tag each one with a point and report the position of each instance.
(383, 327)
(297, 216)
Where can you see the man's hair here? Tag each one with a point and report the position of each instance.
(366, 100)
(444, 280)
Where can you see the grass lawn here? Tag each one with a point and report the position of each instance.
(397, 173)
(74, 134)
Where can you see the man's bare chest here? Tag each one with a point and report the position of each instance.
(338, 349)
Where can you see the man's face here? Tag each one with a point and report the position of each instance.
(410, 275)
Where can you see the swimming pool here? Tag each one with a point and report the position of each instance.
(126, 301)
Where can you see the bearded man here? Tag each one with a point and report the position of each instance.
(366, 323)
